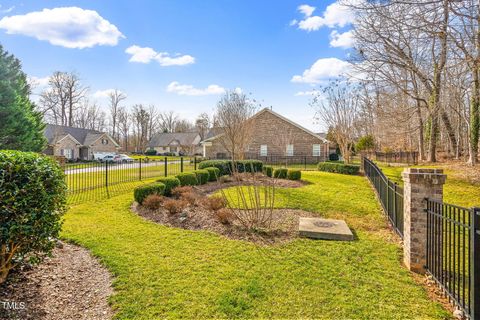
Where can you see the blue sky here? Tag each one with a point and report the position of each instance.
(180, 55)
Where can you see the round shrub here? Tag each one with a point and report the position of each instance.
(187, 179)
(214, 173)
(280, 173)
(202, 176)
(170, 183)
(225, 166)
(294, 174)
(32, 201)
(268, 171)
(249, 166)
(153, 201)
(141, 192)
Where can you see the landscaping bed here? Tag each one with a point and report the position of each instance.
(69, 285)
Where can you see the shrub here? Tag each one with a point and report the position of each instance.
(365, 143)
(190, 197)
(214, 173)
(187, 179)
(224, 216)
(249, 166)
(225, 166)
(151, 152)
(280, 173)
(202, 176)
(33, 199)
(214, 203)
(268, 171)
(141, 192)
(225, 179)
(174, 206)
(338, 168)
(170, 184)
(333, 157)
(294, 174)
(153, 201)
(179, 191)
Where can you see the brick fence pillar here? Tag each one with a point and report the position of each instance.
(418, 185)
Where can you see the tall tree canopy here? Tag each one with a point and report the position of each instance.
(21, 126)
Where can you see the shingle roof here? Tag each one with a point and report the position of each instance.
(164, 139)
(55, 132)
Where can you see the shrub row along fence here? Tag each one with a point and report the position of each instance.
(97, 180)
(393, 157)
(452, 243)
(304, 162)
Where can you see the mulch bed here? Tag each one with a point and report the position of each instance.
(70, 285)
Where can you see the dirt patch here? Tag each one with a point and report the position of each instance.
(70, 285)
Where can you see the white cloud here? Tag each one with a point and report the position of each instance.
(37, 82)
(103, 94)
(335, 15)
(323, 69)
(69, 27)
(341, 40)
(189, 90)
(8, 10)
(146, 54)
(306, 93)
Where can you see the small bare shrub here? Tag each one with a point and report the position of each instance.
(225, 179)
(214, 203)
(190, 197)
(175, 206)
(153, 201)
(224, 216)
(179, 191)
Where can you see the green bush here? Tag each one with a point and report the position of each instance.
(170, 183)
(151, 152)
(338, 168)
(268, 171)
(187, 179)
(333, 157)
(249, 166)
(141, 192)
(32, 201)
(280, 173)
(214, 173)
(225, 166)
(294, 174)
(365, 143)
(202, 176)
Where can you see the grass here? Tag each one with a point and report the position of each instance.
(163, 272)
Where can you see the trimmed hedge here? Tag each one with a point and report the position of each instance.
(142, 192)
(280, 173)
(338, 168)
(294, 174)
(32, 200)
(187, 179)
(202, 175)
(333, 157)
(225, 166)
(170, 183)
(214, 173)
(268, 171)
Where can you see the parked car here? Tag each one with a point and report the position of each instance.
(112, 158)
(101, 155)
(125, 159)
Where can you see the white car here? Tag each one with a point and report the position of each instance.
(124, 158)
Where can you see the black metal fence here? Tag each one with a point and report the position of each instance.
(99, 179)
(453, 253)
(305, 162)
(406, 157)
(389, 193)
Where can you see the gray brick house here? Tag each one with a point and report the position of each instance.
(77, 143)
(187, 143)
(273, 135)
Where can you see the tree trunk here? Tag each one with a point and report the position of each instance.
(432, 148)
(421, 138)
(474, 120)
(450, 131)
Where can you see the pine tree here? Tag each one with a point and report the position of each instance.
(21, 126)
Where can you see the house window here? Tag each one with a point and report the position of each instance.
(316, 150)
(289, 151)
(67, 153)
(104, 141)
(263, 150)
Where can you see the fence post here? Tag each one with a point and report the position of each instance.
(106, 174)
(195, 163)
(166, 166)
(181, 164)
(419, 185)
(475, 264)
(140, 169)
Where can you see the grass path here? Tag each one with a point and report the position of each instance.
(163, 272)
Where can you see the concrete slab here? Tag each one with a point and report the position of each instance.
(328, 229)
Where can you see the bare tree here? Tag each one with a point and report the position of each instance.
(167, 121)
(140, 121)
(115, 97)
(90, 116)
(202, 125)
(183, 125)
(124, 126)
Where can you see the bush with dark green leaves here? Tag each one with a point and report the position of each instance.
(249, 166)
(140, 193)
(202, 176)
(225, 166)
(151, 152)
(333, 157)
(187, 179)
(214, 173)
(268, 171)
(336, 167)
(170, 183)
(280, 173)
(32, 201)
(294, 174)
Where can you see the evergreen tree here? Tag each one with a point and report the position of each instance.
(21, 126)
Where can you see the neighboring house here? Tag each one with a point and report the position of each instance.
(77, 143)
(187, 143)
(273, 135)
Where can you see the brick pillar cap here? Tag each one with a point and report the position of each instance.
(424, 175)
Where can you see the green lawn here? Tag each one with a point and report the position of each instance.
(163, 272)
(456, 190)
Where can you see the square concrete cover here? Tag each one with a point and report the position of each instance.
(329, 229)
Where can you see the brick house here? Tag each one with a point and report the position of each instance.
(77, 143)
(187, 143)
(273, 135)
